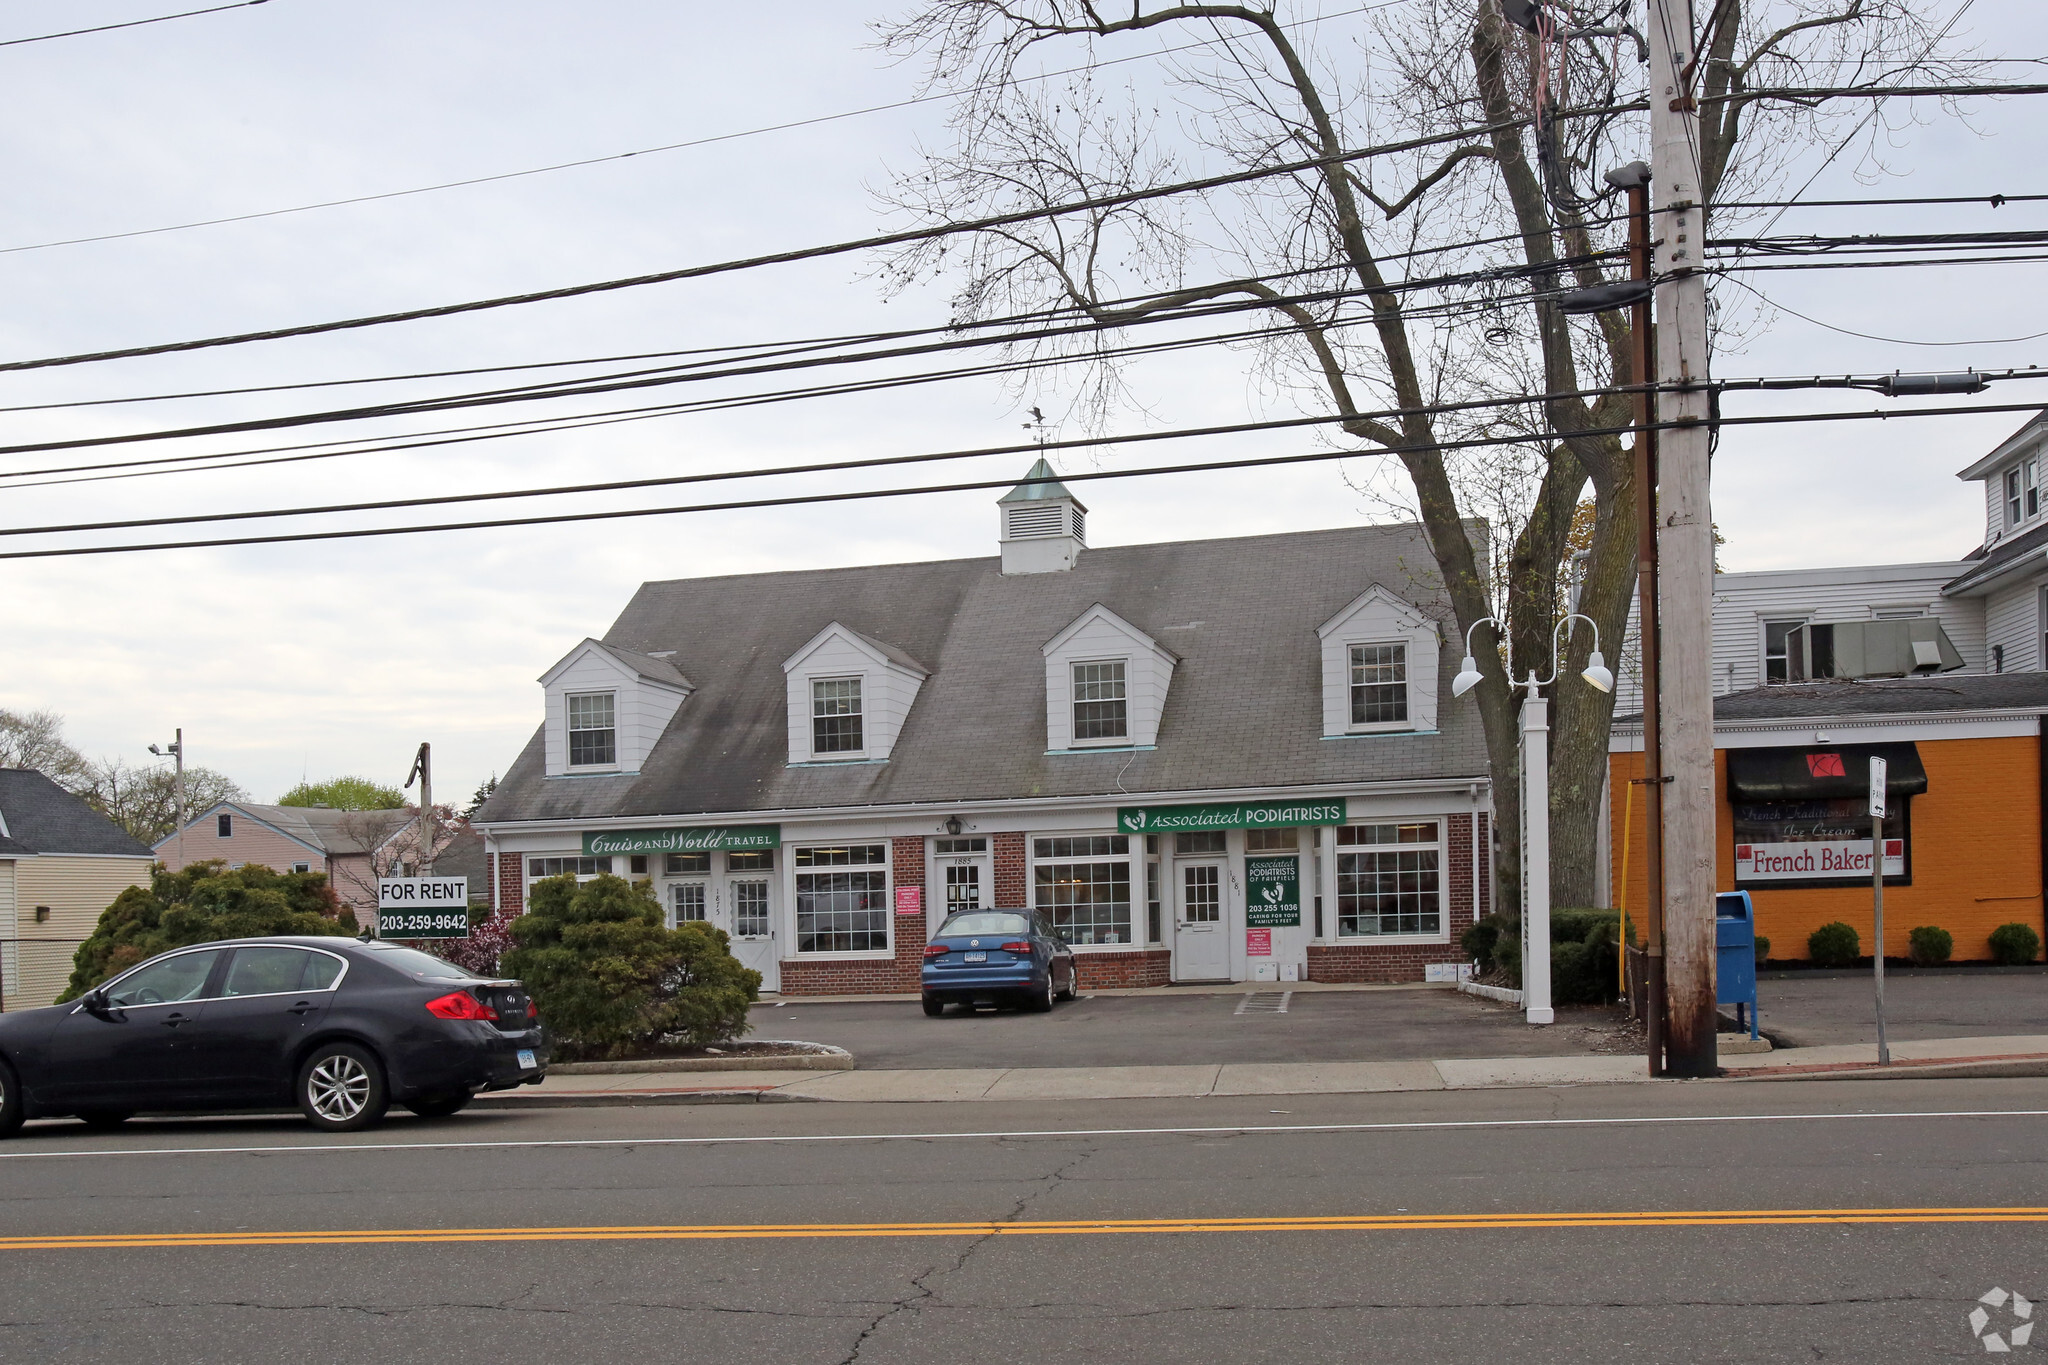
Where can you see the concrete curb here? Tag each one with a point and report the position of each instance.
(826, 1058)
(508, 1099)
(1500, 993)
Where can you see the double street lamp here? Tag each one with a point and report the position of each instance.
(1536, 804)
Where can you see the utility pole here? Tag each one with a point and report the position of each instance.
(423, 769)
(1685, 548)
(177, 753)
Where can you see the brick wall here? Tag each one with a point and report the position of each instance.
(1111, 971)
(893, 975)
(508, 886)
(1404, 962)
(1008, 850)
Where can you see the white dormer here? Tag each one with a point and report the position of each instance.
(1043, 525)
(1105, 684)
(849, 695)
(606, 707)
(1379, 666)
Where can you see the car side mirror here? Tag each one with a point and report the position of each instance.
(94, 1002)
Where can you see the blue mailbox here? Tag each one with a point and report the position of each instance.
(1735, 954)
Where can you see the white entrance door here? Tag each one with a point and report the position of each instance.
(1201, 943)
(964, 888)
(752, 929)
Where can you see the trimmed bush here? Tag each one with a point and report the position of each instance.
(1929, 946)
(1579, 926)
(1763, 949)
(609, 979)
(1478, 939)
(1834, 945)
(2015, 945)
(203, 903)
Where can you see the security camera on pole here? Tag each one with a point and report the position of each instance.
(1685, 540)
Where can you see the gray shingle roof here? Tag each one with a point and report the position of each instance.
(661, 670)
(331, 831)
(44, 818)
(1883, 697)
(1244, 709)
(1996, 559)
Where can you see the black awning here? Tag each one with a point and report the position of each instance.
(1822, 772)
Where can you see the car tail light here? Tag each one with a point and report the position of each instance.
(936, 950)
(1019, 946)
(460, 1005)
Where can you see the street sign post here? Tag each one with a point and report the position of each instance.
(423, 907)
(1878, 773)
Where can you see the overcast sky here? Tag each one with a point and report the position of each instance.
(315, 660)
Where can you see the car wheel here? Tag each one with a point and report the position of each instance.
(341, 1088)
(1040, 1001)
(1073, 990)
(933, 1007)
(440, 1106)
(12, 1106)
(105, 1118)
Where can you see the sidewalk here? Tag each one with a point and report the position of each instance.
(2020, 1055)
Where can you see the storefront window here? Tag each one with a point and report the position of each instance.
(584, 868)
(750, 860)
(842, 899)
(1389, 880)
(684, 864)
(1272, 840)
(1086, 902)
(1198, 841)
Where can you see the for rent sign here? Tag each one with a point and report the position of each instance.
(423, 907)
(1231, 815)
(1815, 861)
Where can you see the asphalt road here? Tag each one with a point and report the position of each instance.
(1810, 1009)
(1173, 1029)
(1539, 1225)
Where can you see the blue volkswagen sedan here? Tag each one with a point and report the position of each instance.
(988, 956)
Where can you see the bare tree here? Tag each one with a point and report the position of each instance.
(1391, 286)
(382, 843)
(35, 739)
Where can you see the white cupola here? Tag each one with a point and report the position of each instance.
(1042, 530)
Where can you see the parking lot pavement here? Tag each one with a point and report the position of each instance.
(1816, 1009)
(1172, 1030)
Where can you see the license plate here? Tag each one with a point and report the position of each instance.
(976, 957)
(526, 1060)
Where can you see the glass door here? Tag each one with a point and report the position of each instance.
(1201, 948)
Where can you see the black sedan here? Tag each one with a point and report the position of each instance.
(341, 1028)
(984, 956)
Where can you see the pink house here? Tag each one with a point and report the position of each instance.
(353, 847)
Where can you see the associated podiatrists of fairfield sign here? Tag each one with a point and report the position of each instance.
(423, 907)
(694, 839)
(1230, 815)
(1844, 859)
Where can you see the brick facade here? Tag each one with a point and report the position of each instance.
(895, 975)
(508, 885)
(1111, 971)
(1008, 851)
(1404, 962)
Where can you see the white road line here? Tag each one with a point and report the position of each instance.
(286, 1149)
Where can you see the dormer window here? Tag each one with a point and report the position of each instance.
(593, 730)
(1105, 684)
(2022, 492)
(1379, 667)
(835, 716)
(1101, 707)
(849, 695)
(1379, 684)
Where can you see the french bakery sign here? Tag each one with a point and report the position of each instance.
(1815, 861)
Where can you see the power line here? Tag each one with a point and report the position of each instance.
(1866, 336)
(1265, 461)
(612, 156)
(132, 23)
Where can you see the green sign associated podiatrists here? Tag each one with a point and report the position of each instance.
(1231, 815)
(692, 839)
(1272, 892)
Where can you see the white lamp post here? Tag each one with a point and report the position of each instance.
(1536, 806)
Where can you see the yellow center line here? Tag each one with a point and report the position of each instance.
(1418, 1222)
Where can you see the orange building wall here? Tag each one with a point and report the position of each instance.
(1976, 853)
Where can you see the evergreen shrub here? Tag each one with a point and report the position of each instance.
(1834, 945)
(2014, 945)
(1929, 946)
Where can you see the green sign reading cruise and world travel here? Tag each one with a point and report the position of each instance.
(1230, 815)
(1272, 892)
(696, 839)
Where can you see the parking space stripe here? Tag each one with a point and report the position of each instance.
(1084, 1227)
